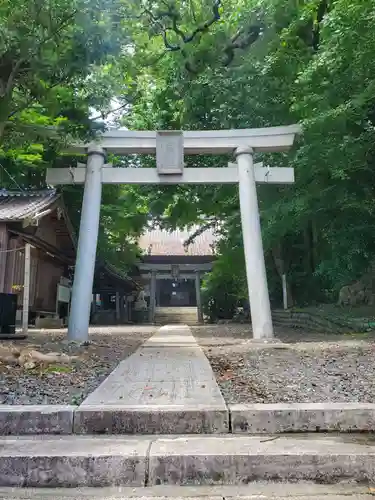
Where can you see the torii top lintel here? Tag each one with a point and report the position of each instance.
(198, 142)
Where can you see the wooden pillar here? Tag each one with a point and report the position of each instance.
(10, 266)
(122, 308)
(26, 289)
(285, 291)
(129, 306)
(158, 293)
(3, 255)
(125, 304)
(198, 296)
(117, 307)
(152, 297)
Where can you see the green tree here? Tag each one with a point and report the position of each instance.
(310, 63)
(209, 65)
(59, 61)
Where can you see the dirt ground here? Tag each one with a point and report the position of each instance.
(302, 368)
(237, 334)
(70, 383)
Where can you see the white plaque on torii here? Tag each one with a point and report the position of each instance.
(169, 152)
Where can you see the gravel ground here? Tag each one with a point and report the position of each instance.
(70, 384)
(336, 369)
(311, 367)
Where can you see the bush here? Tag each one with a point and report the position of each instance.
(224, 289)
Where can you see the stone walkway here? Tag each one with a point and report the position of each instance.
(257, 491)
(166, 386)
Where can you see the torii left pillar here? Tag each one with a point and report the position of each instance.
(78, 329)
(261, 318)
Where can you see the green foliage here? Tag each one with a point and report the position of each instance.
(312, 63)
(59, 60)
(48, 52)
(225, 287)
(207, 65)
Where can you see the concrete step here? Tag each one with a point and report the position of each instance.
(175, 321)
(166, 316)
(177, 311)
(82, 461)
(176, 315)
(257, 491)
(174, 416)
(172, 309)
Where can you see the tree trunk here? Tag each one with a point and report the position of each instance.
(2, 128)
(289, 296)
(281, 267)
(309, 248)
(5, 102)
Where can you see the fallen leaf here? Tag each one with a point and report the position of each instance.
(58, 369)
(29, 365)
(228, 375)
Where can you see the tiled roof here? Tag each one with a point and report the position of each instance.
(18, 205)
(162, 242)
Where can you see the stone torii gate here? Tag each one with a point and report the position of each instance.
(170, 147)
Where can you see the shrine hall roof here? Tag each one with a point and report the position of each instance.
(169, 243)
(19, 205)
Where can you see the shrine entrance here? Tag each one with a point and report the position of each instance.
(171, 293)
(170, 147)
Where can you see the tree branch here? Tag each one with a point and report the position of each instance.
(207, 24)
(192, 10)
(7, 87)
(31, 99)
(58, 28)
(199, 231)
(173, 16)
(241, 40)
(103, 116)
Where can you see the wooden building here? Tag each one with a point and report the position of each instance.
(40, 218)
(172, 267)
(111, 293)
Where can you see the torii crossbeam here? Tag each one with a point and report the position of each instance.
(170, 147)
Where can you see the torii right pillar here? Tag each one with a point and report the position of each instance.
(261, 318)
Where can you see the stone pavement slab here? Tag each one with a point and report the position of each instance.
(36, 419)
(72, 461)
(255, 491)
(187, 460)
(81, 461)
(166, 386)
(302, 417)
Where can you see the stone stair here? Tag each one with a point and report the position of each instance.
(253, 491)
(183, 460)
(160, 421)
(176, 316)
